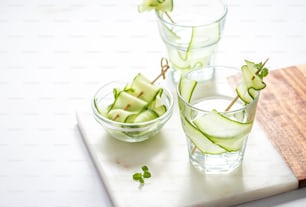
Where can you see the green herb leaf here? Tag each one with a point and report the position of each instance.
(146, 174)
(140, 177)
(145, 168)
(264, 72)
(137, 176)
(141, 180)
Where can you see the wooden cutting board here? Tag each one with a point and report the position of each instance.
(282, 113)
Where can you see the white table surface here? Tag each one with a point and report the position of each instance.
(55, 53)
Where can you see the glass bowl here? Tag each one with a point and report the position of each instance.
(129, 132)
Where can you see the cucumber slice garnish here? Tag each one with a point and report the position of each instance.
(143, 116)
(101, 111)
(119, 115)
(207, 35)
(177, 59)
(142, 88)
(251, 79)
(191, 58)
(186, 88)
(157, 106)
(128, 102)
(159, 110)
(246, 94)
(202, 142)
(160, 5)
(223, 131)
(251, 83)
(170, 33)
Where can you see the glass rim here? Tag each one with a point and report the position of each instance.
(206, 111)
(225, 10)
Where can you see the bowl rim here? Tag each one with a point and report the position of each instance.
(105, 120)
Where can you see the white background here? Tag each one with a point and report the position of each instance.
(55, 53)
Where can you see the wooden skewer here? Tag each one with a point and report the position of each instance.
(169, 18)
(117, 115)
(164, 68)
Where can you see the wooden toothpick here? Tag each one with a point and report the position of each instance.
(169, 17)
(164, 68)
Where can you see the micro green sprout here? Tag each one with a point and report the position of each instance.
(141, 176)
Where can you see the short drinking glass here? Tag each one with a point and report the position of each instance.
(216, 136)
(191, 33)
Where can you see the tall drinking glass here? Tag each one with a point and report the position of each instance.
(191, 33)
(216, 137)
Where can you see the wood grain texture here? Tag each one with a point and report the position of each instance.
(302, 68)
(282, 113)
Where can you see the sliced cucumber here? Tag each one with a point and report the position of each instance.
(251, 79)
(251, 83)
(157, 106)
(157, 102)
(180, 59)
(223, 131)
(186, 88)
(202, 142)
(193, 58)
(160, 110)
(128, 102)
(160, 5)
(243, 93)
(251, 66)
(142, 88)
(187, 55)
(207, 35)
(101, 111)
(143, 116)
(116, 92)
(139, 101)
(119, 115)
(195, 61)
(170, 33)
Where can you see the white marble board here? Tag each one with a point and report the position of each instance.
(174, 181)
